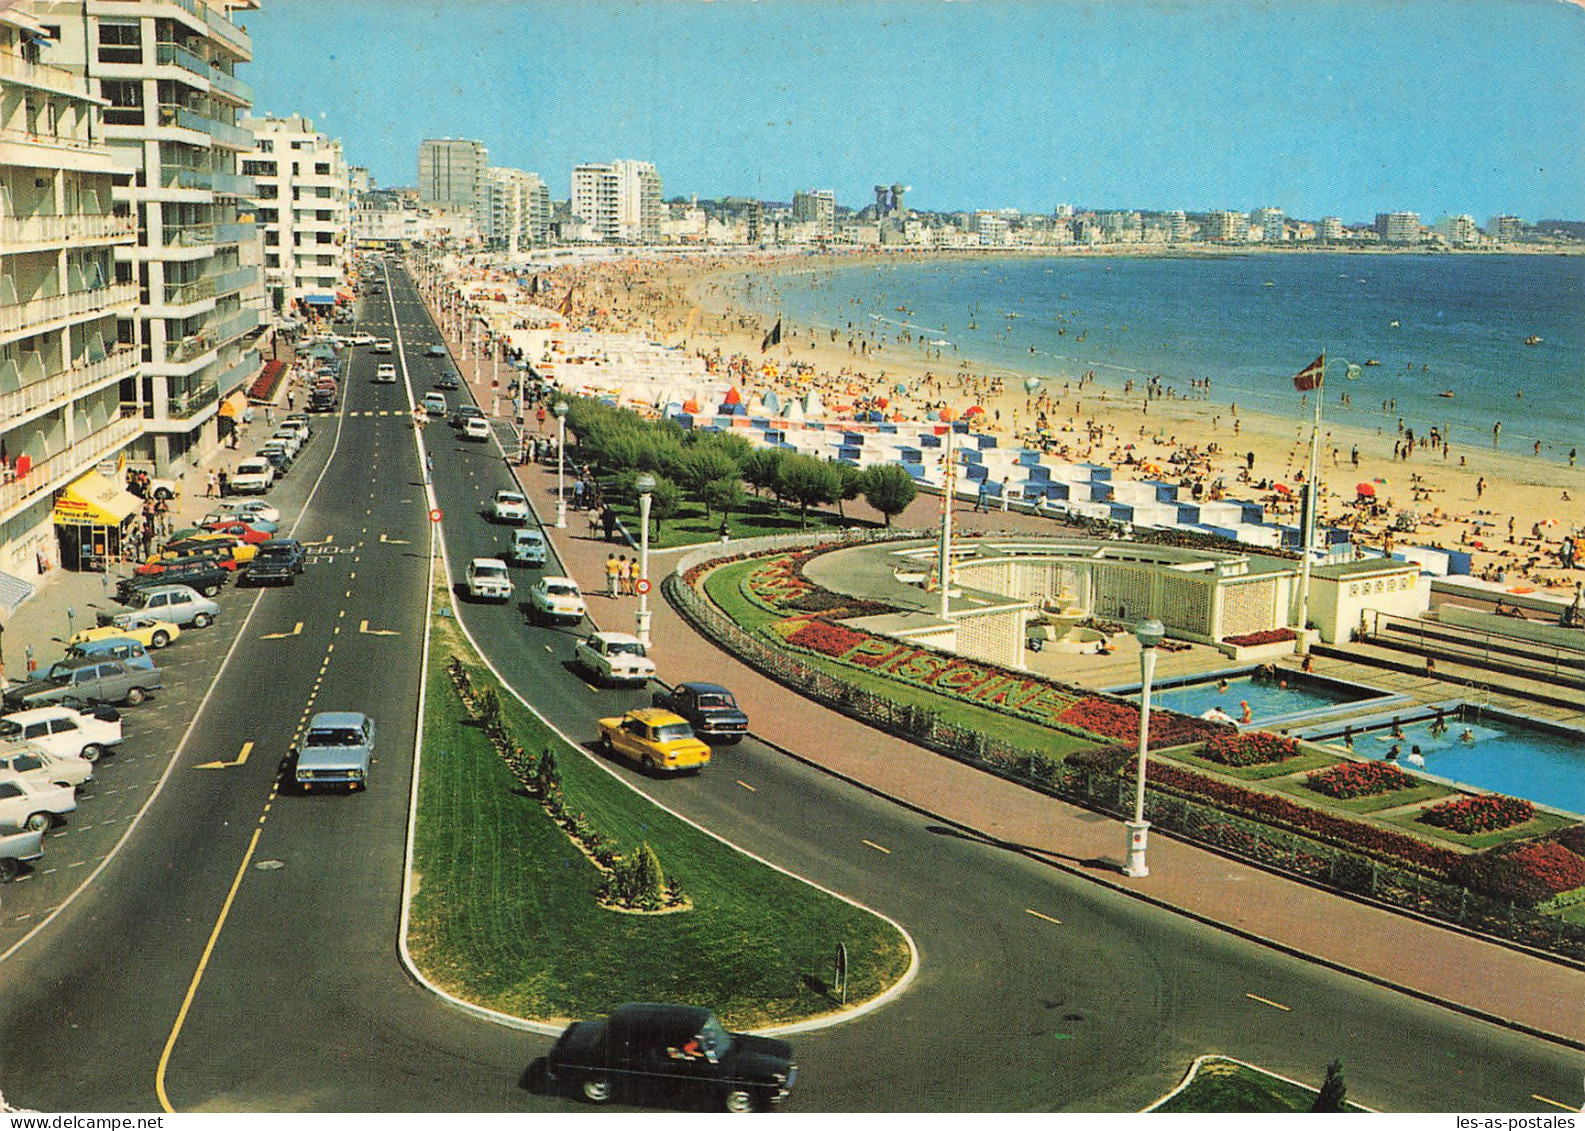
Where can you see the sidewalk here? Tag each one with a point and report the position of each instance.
(1428, 961)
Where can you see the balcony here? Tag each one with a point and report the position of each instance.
(236, 326)
(58, 389)
(39, 312)
(189, 403)
(235, 233)
(176, 177)
(231, 184)
(186, 294)
(230, 87)
(41, 76)
(191, 347)
(52, 141)
(174, 55)
(17, 231)
(59, 468)
(230, 282)
(242, 371)
(234, 37)
(188, 235)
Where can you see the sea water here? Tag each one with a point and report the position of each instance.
(1442, 323)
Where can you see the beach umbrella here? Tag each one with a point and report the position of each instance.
(900, 390)
(881, 402)
(733, 396)
(948, 415)
(1367, 490)
(932, 415)
(1282, 489)
(1031, 384)
(974, 410)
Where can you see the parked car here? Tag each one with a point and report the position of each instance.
(322, 399)
(146, 628)
(250, 511)
(304, 424)
(252, 476)
(709, 708)
(488, 580)
(336, 751)
(203, 572)
(27, 805)
(655, 740)
(221, 545)
(288, 439)
(258, 527)
(614, 657)
(434, 404)
(41, 767)
(112, 648)
(179, 604)
(385, 374)
(476, 428)
(279, 456)
(17, 849)
(279, 560)
(556, 599)
(80, 683)
(509, 506)
(528, 547)
(363, 339)
(464, 413)
(678, 1047)
(64, 730)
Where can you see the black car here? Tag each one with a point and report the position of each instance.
(279, 460)
(709, 707)
(278, 561)
(447, 380)
(671, 1048)
(202, 572)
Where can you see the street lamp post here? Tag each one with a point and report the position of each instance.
(1149, 634)
(646, 485)
(561, 464)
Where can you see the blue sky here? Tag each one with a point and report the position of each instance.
(1319, 107)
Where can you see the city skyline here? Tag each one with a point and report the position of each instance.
(1316, 108)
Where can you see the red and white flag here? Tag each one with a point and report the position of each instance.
(1310, 376)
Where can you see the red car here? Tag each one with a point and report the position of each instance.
(158, 565)
(239, 529)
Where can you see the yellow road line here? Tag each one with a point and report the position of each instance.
(1268, 1001)
(877, 847)
(198, 975)
(746, 785)
(1038, 915)
(1554, 1103)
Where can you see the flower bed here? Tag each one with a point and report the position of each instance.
(1481, 814)
(1253, 748)
(1270, 636)
(1526, 873)
(1111, 718)
(1360, 779)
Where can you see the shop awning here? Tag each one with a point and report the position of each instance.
(94, 500)
(320, 300)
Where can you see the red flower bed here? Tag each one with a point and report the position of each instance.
(1116, 720)
(1341, 831)
(1270, 636)
(1359, 779)
(1254, 748)
(827, 639)
(1525, 873)
(1478, 814)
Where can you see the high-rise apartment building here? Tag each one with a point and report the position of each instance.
(301, 205)
(1227, 227)
(166, 71)
(451, 175)
(1331, 228)
(1505, 228)
(1177, 225)
(68, 356)
(817, 207)
(620, 201)
(518, 210)
(1458, 231)
(1272, 223)
(1398, 227)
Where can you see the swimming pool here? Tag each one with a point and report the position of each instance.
(1501, 753)
(1270, 701)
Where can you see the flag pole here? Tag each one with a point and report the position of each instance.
(1307, 534)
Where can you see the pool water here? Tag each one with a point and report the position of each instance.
(1500, 755)
(1266, 699)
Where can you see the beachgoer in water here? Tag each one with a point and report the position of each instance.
(1248, 716)
(1467, 736)
(1222, 685)
(1439, 725)
(1392, 755)
(1397, 730)
(1348, 737)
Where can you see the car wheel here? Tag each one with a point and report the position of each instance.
(39, 822)
(597, 1089)
(160, 639)
(135, 695)
(91, 752)
(210, 590)
(8, 870)
(733, 739)
(740, 1100)
(202, 620)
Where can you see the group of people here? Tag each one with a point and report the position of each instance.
(621, 575)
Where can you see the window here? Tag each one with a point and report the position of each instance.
(266, 146)
(322, 168)
(120, 41)
(258, 168)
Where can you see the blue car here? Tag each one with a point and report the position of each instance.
(113, 648)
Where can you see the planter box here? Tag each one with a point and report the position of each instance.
(1257, 653)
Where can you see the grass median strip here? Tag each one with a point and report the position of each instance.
(505, 912)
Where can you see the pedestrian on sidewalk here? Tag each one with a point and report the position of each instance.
(210, 483)
(611, 575)
(608, 521)
(634, 572)
(622, 588)
(221, 478)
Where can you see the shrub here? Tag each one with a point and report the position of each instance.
(1359, 779)
(1270, 636)
(1254, 748)
(1478, 814)
(1524, 873)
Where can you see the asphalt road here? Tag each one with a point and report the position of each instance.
(240, 952)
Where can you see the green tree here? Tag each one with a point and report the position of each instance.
(724, 495)
(664, 501)
(705, 465)
(1330, 1097)
(852, 479)
(808, 482)
(889, 489)
(759, 468)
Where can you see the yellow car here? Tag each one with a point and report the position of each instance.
(655, 740)
(147, 630)
(214, 541)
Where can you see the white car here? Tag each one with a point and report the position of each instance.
(246, 508)
(290, 437)
(253, 476)
(26, 761)
(614, 657)
(63, 731)
(556, 598)
(488, 580)
(383, 345)
(385, 374)
(435, 404)
(476, 428)
(509, 506)
(25, 805)
(363, 339)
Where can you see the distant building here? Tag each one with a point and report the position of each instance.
(358, 180)
(1227, 227)
(1331, 228)
(1398, 227)
(1457, 231)
(1063, 212)
(1505, 228)
(1272, 223)
(619, 201)
(451, 175)
(1177, 226)
(301, 203)
(517, 209)
(991, 228)
(889, 200)
(817, 207)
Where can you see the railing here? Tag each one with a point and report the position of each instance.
(42, 75)
(82, 228)
(1093, 788)
(56, 141)
(230, 32)
(52, 308)
(230, 85)
(194, 345)
(242, 371)
(235, 232)
(188, 235)
(191, 402)
(175, 55)
(176, 177)
(54, 471)
(230, 282)
(1482, 648)
(58, 388)
(232, 184)
(237, 325)
(184, 294)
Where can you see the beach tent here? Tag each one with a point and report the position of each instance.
(812, 405)
(795, 411)
(732, 396)
(772, 403)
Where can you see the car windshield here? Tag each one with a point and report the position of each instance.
(671, 732)
(9, 729)
(488, 571)
(508, 497)
(630, 648)
(335, 736)
(561, 590)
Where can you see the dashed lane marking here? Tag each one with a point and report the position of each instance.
(1038, 915)
(877, 847)
(1268, 1001)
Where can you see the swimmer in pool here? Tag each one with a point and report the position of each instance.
(1467, 736)
(1248, 716)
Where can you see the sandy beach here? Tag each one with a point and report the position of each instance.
(1510, 510)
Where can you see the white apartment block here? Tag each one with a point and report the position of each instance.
(67, 345)
(1271, 222)
(1458, 231)
(1227, 227)
(302, 206)
(992, 229)
(451, 175)
(1398, 227)
(166, 72)
(518, 209)
(1176, 226)
(816, 207)
(619, 201)
(1505, 228)
(1331, 228)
